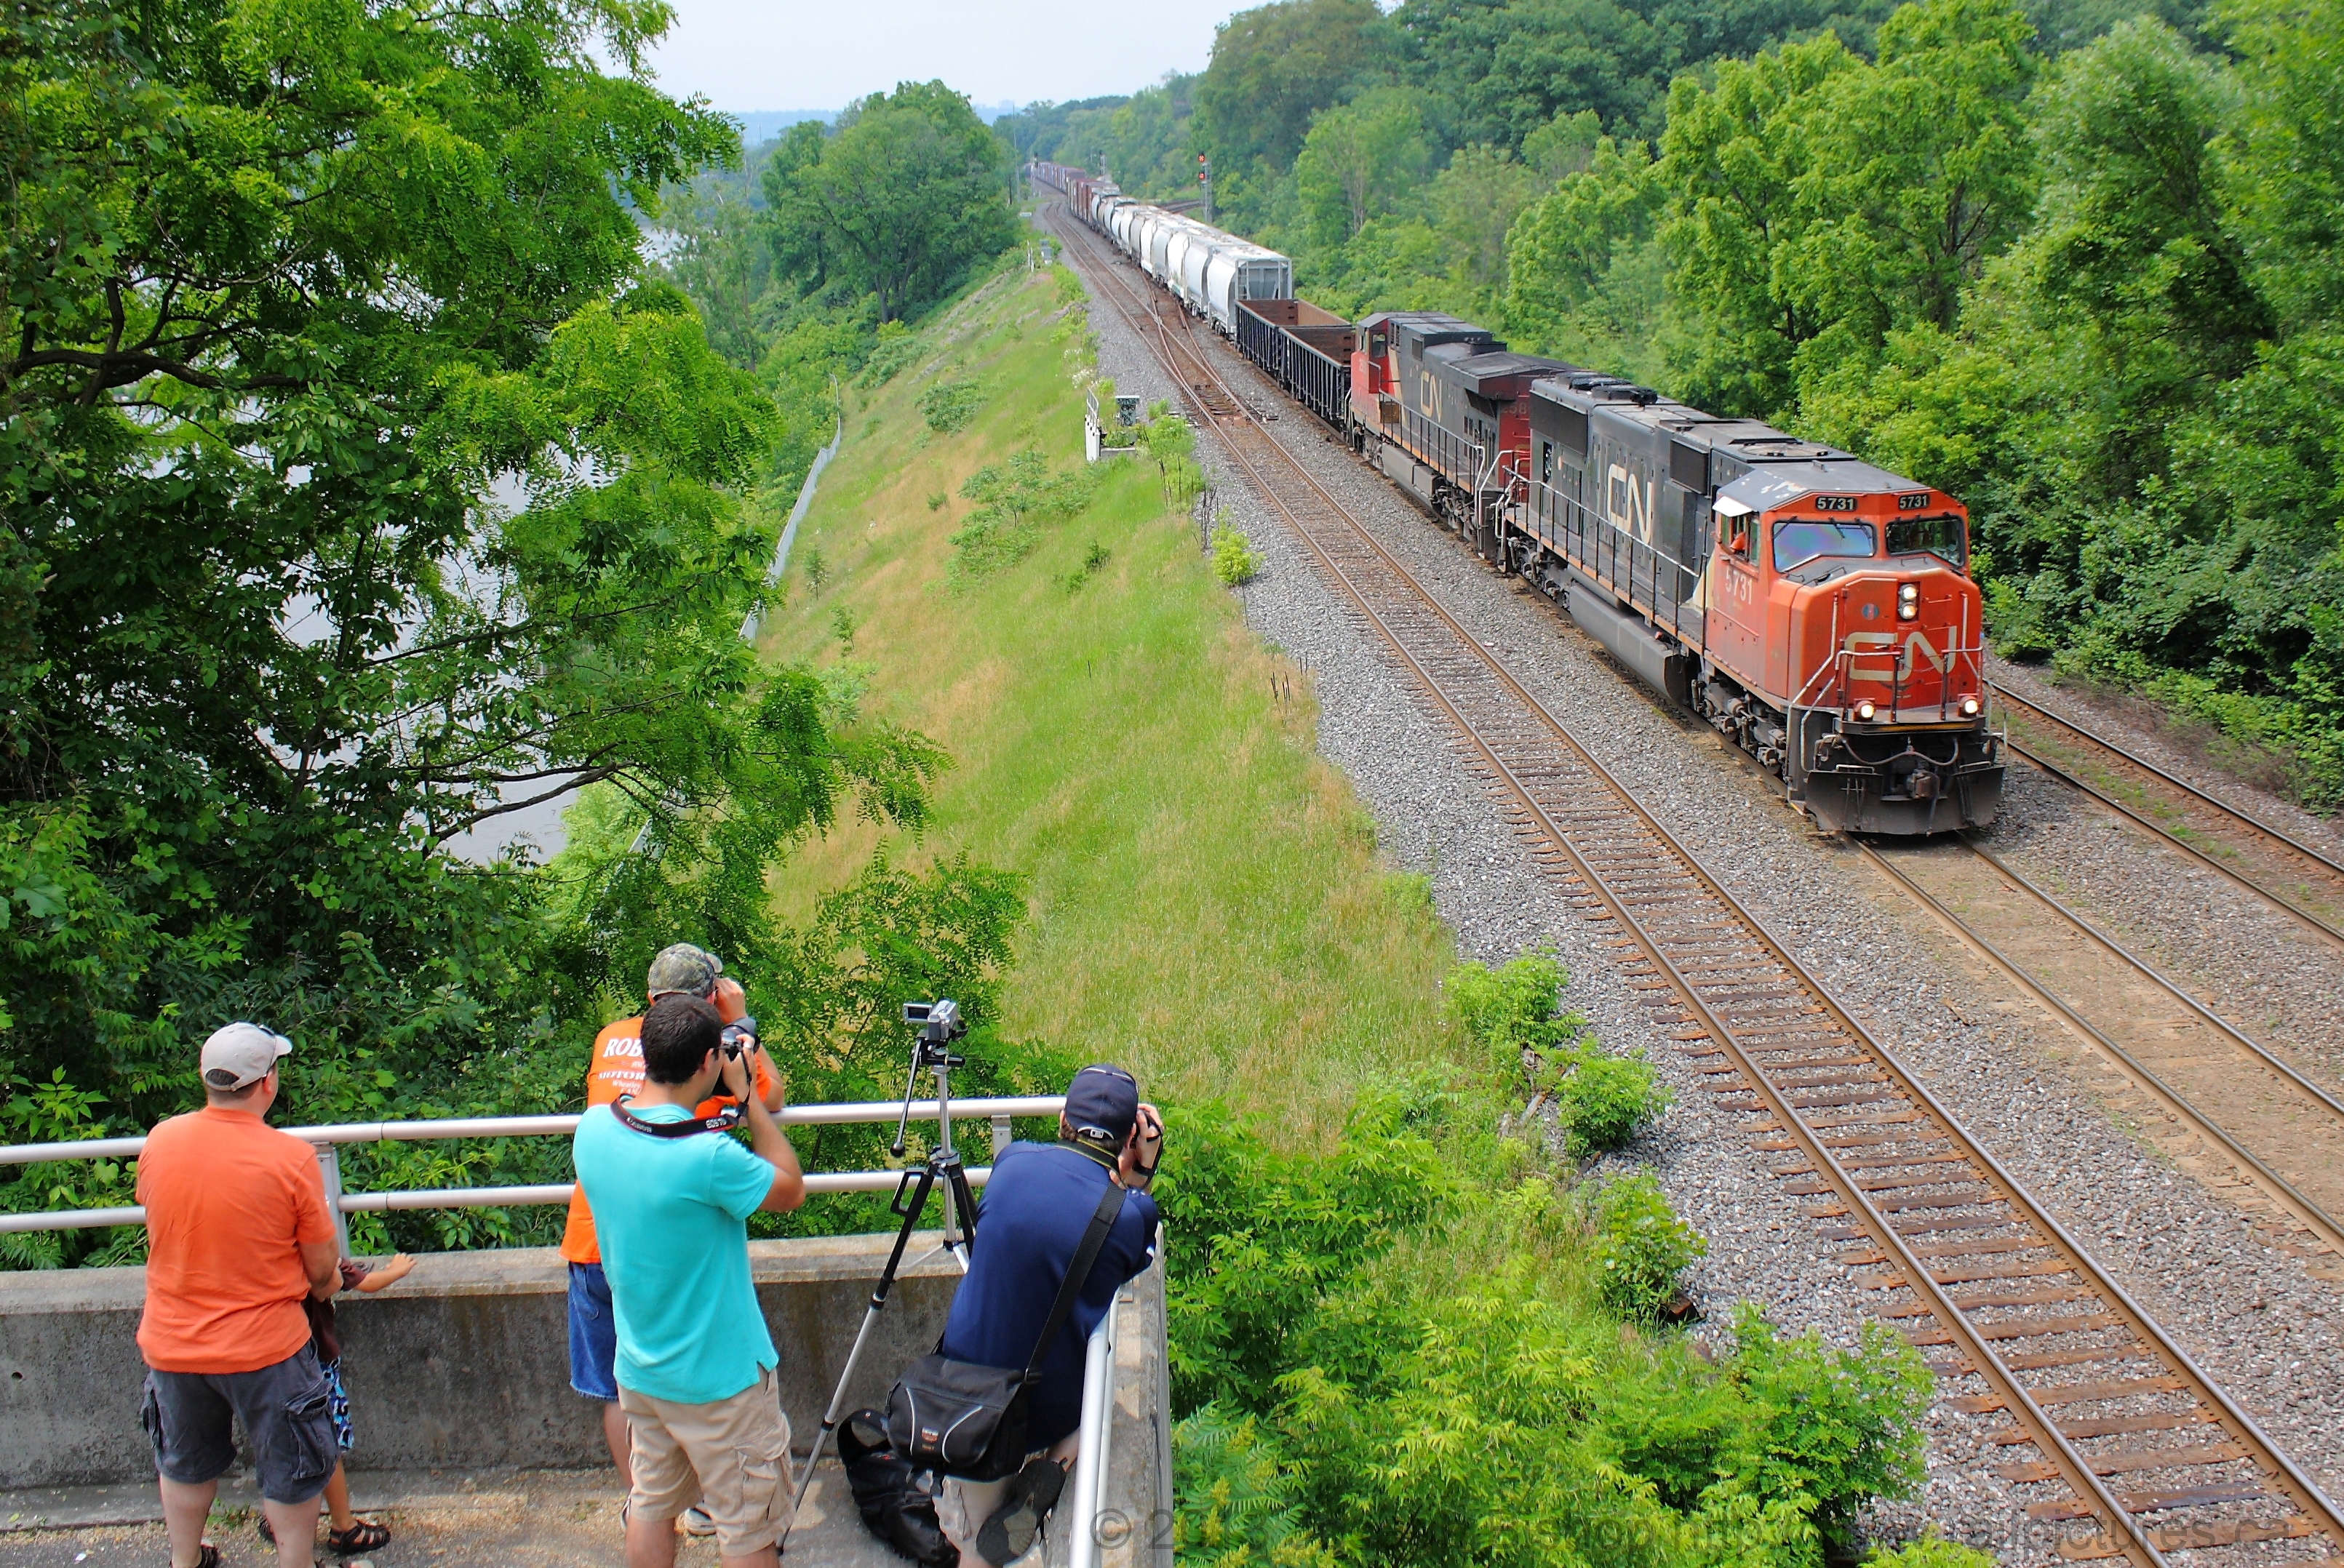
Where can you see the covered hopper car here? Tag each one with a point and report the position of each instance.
(1214, 274)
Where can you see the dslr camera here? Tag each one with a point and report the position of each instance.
(740, 1036)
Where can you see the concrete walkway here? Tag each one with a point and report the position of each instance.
(530, 1519)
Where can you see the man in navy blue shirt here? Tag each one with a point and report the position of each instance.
(1037, 1205)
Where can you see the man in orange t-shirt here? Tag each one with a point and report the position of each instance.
(616, 1068)
(238, 1236)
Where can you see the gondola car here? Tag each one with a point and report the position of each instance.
(1306, 350)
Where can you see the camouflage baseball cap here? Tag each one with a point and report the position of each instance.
(683, 968)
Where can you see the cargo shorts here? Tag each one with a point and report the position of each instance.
(732, 1456)
(287, 1410)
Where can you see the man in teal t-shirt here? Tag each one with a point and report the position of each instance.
(695, 1362)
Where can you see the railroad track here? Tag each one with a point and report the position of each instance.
(2279, 1132)
(2145, 1454)
(2282, 871)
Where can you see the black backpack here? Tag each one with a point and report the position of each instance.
(887, 1492)
(958, 1417)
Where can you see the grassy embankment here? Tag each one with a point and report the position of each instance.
(1207, 905)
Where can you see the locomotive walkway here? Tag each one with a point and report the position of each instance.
(2128, 1449)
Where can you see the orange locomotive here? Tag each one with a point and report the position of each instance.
(1816, 609)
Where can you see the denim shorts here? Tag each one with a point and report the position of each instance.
(286, 1411)
(593, 1334)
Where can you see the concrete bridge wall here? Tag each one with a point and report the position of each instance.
(463, 1366)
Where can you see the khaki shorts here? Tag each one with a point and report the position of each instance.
(732, 1457)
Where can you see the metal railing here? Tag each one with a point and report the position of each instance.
(1651, 578)
(328, 1141)
(1098, 1430)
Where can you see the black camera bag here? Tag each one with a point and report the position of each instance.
(887, 1493)
(960, 1419)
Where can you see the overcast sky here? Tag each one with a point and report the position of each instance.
(744, 54)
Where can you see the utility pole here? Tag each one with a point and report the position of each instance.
(1205, 178)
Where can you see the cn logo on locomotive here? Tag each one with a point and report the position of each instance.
(1918, 650)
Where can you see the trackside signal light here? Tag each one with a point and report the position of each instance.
(1865, 710)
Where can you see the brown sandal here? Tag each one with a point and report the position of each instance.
(364, 1536)
(208, 1558)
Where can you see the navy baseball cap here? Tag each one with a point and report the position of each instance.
(1103, 1104)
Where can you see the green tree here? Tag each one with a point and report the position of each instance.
(1817, 202)
(1359, 160)
(899, 204)
(1732, 163)
(1477, 198)
(1276, 65)
(1570, 255)
(360, 491)
(1921, 169)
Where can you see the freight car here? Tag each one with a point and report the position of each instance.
(1306, 350)
(1212, 273)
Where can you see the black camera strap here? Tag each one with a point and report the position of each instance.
(725, 1121)
(1078, 1273)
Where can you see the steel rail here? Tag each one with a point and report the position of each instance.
(2132, 1540)
(2245, 819)
(2175, 840)
(2253, 824)
(2222, 1026)
(2309, 1214)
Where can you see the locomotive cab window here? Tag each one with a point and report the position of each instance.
(1798, 540)
(1940, 535)
(1733, 535)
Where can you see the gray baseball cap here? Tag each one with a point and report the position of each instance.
(683, 968)
(240, 1055)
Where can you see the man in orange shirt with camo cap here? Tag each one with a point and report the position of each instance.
(616, 1068)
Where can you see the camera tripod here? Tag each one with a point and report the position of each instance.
(940, 1024)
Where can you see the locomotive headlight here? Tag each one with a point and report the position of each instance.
(1969, 708)
(1908, 601)
(1865, 710)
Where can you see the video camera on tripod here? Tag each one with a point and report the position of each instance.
(939, 1024)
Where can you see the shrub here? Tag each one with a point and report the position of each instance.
(1234, 561)
(1512, 1009)
(1095, 560)
(1014, 499)
(1602, 1100)
(1839, 1427)
(1640, 1245)
(1236, 1507)
(894, 348)
(949, 406)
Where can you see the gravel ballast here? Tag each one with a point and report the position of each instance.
(2248, 1314)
